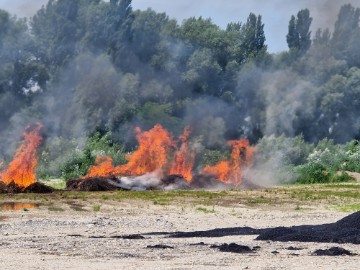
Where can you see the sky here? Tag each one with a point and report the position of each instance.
(276, 13)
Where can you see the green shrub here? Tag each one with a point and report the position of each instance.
(310, 173)
(95, 145)
(352, 160)
(72, 158)
(288, 151)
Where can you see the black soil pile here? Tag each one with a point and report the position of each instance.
(3, 187)
(204, 181)
(93, 184)
(346, 230)
(36, 187)
(333, 251)
(13, 188)
(160, 246)
(234, 248)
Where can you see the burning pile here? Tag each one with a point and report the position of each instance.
(160, 163)
(20, 175)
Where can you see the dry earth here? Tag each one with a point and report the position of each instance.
(89, 234)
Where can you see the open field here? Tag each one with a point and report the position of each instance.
(123, 230)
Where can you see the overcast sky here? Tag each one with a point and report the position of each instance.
(276, 13)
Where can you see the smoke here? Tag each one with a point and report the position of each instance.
(288, 98)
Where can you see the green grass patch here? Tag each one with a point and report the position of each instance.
(55, 183)
(56, 209)
(259, 200)
(353, 207)
(205, 210)
(96, 208)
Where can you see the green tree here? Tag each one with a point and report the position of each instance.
(299, 36)
(347, 22)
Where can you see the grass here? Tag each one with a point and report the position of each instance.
(353, 207)
(55, 183)
(205, 210)
(342, 197)
(56, 209)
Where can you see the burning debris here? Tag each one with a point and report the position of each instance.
(20, 174)
(21, 169)
(160, 164)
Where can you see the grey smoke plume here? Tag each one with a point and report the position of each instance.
(287, 98)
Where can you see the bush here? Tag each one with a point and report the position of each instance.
(352, 160)
(310, 173)
(66, 159)
(95, 145)
(288, 151)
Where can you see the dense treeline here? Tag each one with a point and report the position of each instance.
(81, 66)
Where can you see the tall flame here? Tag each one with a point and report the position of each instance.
(22, 168)
(155, 147)
(231, 171)
(184, 158)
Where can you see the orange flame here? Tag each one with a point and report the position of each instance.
(21, 169)
(184, 158)
(231, 171)
(103, 167)
(155, 147)
(153, 153)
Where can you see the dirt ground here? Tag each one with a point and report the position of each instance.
(92, 234)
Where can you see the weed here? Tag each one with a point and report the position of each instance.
(205, 210)
(96, 208)
(56, 209)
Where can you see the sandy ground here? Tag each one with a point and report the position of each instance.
(73, 239)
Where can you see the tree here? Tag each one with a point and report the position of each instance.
(299, 36)
(346, 33)
(254, 36)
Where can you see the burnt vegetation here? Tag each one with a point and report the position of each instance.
(91, 71)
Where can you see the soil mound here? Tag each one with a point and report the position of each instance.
(204, 181)
(346, 230)
(93, 184)
(333, 251)
(3, 187)
(38, 187)
(234, 248)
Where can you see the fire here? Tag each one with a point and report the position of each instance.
(184, 158)
(158, 151)
(155, 147)
(21, 169)
(231, 171)
(103, 167)
(153, 153)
